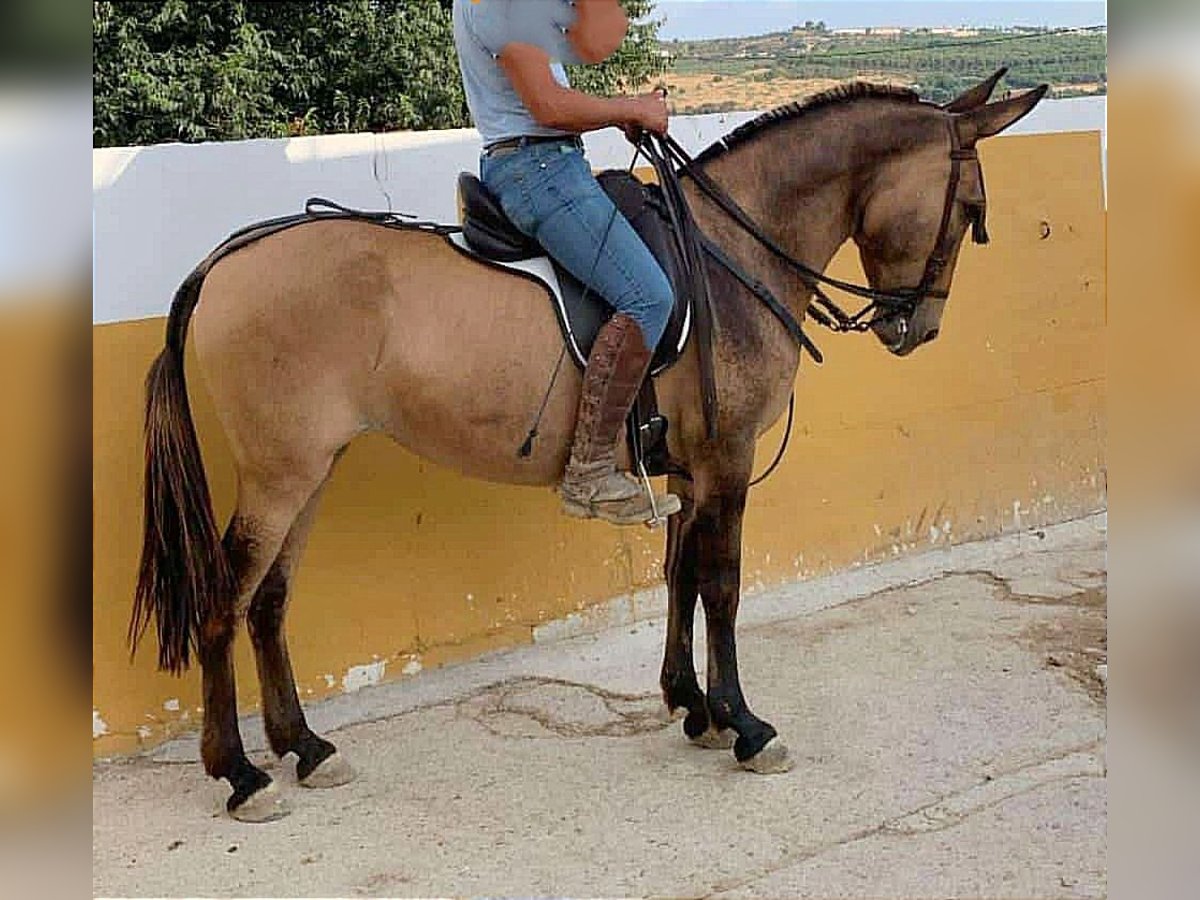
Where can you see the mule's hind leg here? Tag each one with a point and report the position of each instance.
(318, 762)
(264, 516)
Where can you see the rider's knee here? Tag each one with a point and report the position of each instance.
(657, 298)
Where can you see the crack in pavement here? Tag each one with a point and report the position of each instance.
(625, 715)
(952, 810)
(1083, 596)
(564, 708)
(1076, 642)
(1070, 763)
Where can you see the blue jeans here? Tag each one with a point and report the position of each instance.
(550, 194)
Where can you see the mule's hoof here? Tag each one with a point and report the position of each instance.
(666, 715)
(715, 739)
(770, 760)
(333, 771)
(264, 805)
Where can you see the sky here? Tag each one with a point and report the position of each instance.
(960, 2)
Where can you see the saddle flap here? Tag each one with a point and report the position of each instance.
(488, 232)
(642, 204)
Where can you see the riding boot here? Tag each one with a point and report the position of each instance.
(591, 486)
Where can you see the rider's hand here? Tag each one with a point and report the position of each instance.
(649, 113)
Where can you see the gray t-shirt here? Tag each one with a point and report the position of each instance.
(481, 30)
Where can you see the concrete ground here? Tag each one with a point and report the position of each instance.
(945, 714)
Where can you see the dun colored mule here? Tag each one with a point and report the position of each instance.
(312, 336)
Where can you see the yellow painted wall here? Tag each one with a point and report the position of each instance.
(998, 425)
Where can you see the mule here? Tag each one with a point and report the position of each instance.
(313, 336)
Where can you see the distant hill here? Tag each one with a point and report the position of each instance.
(765, 70)
(689, 21)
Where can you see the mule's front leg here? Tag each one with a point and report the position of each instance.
(680, 687)
(719, 533)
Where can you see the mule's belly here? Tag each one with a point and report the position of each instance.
(468, 361)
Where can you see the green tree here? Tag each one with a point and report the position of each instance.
(636, 64)
(174, 70)
(196, 70)
(366, 65)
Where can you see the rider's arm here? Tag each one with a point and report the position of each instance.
(598, 29)
(555, 106)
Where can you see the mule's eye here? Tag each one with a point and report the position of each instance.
(977, 214)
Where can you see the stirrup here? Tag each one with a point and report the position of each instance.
(658, 517)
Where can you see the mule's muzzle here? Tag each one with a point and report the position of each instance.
(911, 338)
(894, 333)
(904, 332)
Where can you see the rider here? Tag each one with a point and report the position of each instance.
(511, 53)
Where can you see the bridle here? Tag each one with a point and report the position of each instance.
(671, 162)
(883, 305)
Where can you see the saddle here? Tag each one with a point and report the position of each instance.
(489, 235)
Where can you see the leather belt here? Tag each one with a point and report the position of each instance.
(508, 145)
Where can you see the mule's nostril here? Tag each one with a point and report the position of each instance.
(930, 335)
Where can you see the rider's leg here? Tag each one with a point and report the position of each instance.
(558, 200)
(592, 486)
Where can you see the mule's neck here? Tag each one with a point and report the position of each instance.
(806, 181)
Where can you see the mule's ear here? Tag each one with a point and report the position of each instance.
(995, 117)
(975, 97)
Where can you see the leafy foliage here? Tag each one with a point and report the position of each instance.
(204, 70)
(636, 64)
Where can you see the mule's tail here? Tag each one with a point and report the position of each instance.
(184, 571)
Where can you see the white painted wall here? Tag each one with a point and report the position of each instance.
(159, 210)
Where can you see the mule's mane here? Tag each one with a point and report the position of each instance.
(843, 93)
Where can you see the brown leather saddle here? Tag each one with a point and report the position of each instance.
(490, 236)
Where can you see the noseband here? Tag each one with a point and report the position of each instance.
(882, 305)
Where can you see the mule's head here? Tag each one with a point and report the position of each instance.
(900, 220)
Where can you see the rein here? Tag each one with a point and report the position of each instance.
(882, 304)
(671, 161)
(691, 245)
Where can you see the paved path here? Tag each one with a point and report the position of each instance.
(945, 714)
